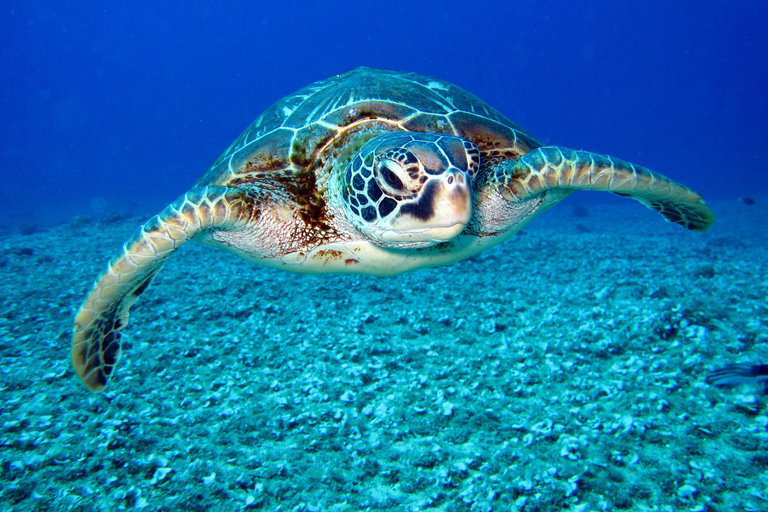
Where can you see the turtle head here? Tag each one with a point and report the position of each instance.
(410, 189)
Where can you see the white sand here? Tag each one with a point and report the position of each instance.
(561, 371)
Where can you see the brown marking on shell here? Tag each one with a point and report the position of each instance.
(489, 135)
(268, 155)
(308, 143)
(351, 261)
(270, 152)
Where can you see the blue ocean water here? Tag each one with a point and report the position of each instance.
(121, 106)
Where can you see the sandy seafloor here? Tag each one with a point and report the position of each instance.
(563, 370)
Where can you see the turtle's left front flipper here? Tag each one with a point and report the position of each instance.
(552, 168)
(96, 338)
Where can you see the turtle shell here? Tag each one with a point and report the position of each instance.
(322, 124)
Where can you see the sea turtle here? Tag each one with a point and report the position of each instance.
(369, 172)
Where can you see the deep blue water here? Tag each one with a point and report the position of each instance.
(122, 105)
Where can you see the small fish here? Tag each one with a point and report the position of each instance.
(748, 200)
(740, 373)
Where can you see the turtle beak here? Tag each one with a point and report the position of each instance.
(452, 205)
(442, 211)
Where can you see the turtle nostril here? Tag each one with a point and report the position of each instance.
(455, 179)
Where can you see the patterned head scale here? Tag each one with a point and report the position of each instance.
(411, 189)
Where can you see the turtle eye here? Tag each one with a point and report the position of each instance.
(391, 178)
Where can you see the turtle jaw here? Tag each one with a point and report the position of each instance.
(443, 212)
(423, 237)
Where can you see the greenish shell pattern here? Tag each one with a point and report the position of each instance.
(308, 129)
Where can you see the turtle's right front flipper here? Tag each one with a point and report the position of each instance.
(96, 340)
(562, 170)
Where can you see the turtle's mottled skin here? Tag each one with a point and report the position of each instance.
(370, 172)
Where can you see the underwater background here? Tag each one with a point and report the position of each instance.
(564, 370)
(121, 106)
